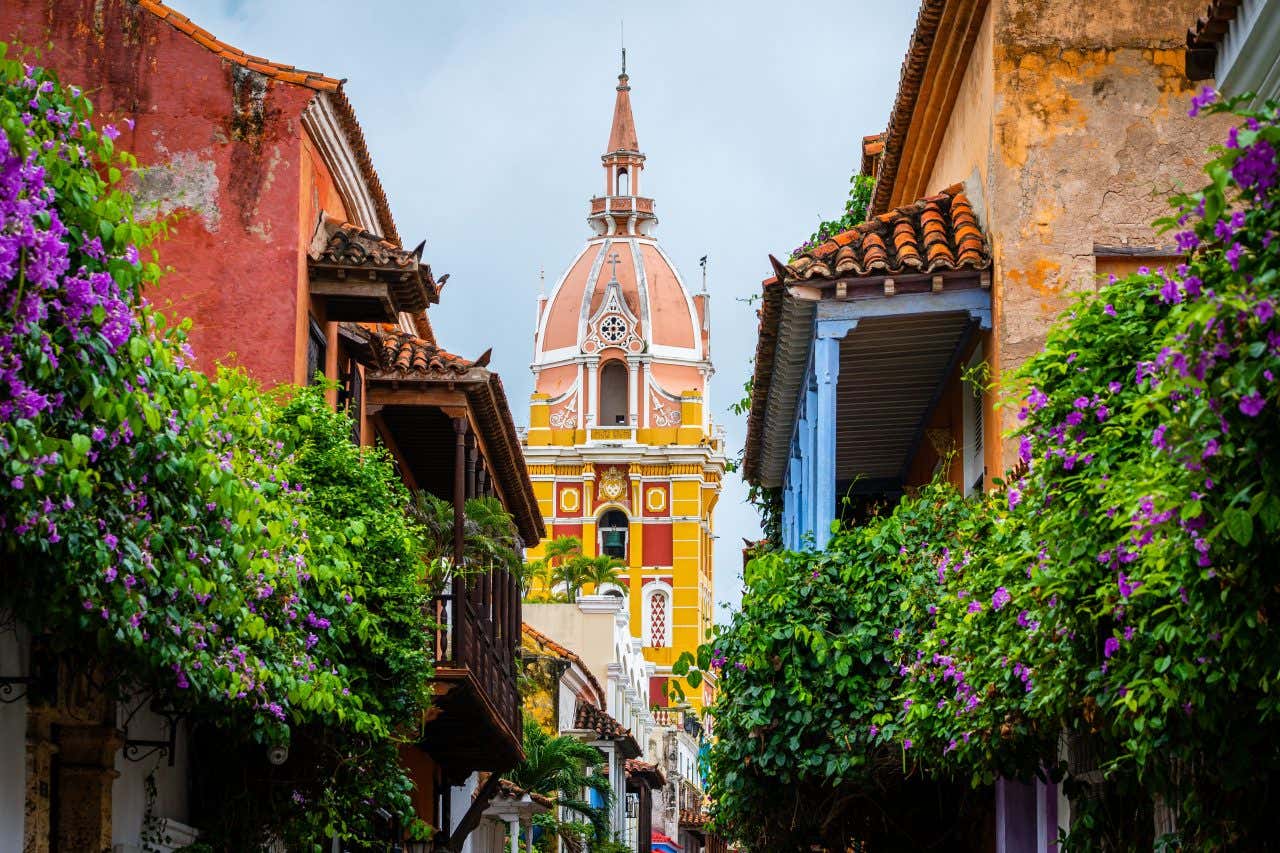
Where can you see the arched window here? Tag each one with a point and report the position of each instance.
(657, 615)
(613, 534)
(613, 393)
(624, 182)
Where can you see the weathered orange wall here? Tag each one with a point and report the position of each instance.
(1092, 136)
(219, 144)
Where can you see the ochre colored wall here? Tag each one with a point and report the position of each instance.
(965, 151)
(1092, 136)
(218, 143)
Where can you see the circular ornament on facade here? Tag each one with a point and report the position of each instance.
(570, 500)
(612, 485)
(655, 499)
(613, 329)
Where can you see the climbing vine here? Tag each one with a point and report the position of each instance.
(225, 549)
(1116, 595)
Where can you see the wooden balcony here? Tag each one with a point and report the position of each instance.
(476, 723)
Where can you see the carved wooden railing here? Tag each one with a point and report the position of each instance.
(479, 630)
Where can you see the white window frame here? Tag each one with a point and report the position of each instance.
(650, 590)
(973, 405)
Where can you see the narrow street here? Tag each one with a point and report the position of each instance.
(951, 528)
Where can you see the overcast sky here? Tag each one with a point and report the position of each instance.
(486, 122)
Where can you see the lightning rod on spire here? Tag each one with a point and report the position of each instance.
(622, 40)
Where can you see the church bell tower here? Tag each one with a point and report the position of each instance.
(621, 446)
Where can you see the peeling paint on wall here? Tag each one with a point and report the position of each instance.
(185, 182)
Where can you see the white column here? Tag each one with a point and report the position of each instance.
(513, 824)
(582, 397)
(633, 393)
(644, 395)
(593, 384)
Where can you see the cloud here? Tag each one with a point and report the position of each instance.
(486, 122)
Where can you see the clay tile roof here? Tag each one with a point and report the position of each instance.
(560, 651)
(936, 233)
(398, 352)
(692, 819)
(298, 77)
(590, 718)
(872, 148)
(650, 773)
(913, 68)
(277, 70)
(512, 790)
(338, 245)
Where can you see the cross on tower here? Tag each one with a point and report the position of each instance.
(613, 261)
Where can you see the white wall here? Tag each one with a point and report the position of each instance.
(13, 743)
(128, 791)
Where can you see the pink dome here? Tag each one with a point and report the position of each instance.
(620, 340)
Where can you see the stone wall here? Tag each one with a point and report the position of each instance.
(1090, 136)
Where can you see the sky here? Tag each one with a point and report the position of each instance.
(486, 122)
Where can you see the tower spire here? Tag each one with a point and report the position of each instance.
(622, 136)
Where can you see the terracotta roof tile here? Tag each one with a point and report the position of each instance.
(513, 791)
(397, 356)
(298, 77)
(590, 718)
(560, 651)
(233, 54)
(651, 773)
(936, 233)
(342, 246)
(951, 26)
(398, 352)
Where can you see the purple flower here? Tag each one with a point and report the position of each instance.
(1000, 598)
(110, 132)
(1015, 497)
(975, 607)
(1233, 256)
(906, 744)
(1110, 647)
(1126, 585)
(1109, 310)
(1037, 399)
(1206, 97)
(17, 483)
(1252, 405)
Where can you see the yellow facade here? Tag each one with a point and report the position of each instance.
(687, 474)
(621, 447)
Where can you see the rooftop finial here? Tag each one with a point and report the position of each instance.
(622, 27)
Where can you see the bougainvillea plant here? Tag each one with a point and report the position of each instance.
(185, 537)
(1104, 620)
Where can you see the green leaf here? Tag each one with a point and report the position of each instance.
(1239, 524)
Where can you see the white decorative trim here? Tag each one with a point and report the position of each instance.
(649, 590)
(321, 123)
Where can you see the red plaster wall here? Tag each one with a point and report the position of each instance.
(658, 690)
(657, 544)
(567, 513)
(559, 530)
(645, 488)
(236, 267)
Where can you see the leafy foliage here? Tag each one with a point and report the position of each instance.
(562, 768)
(222, 549)
(1118, 591)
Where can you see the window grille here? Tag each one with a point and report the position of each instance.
(658, 620)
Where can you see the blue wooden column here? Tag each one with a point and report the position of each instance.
(826, 374)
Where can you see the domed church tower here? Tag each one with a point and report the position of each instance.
(621, 447)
